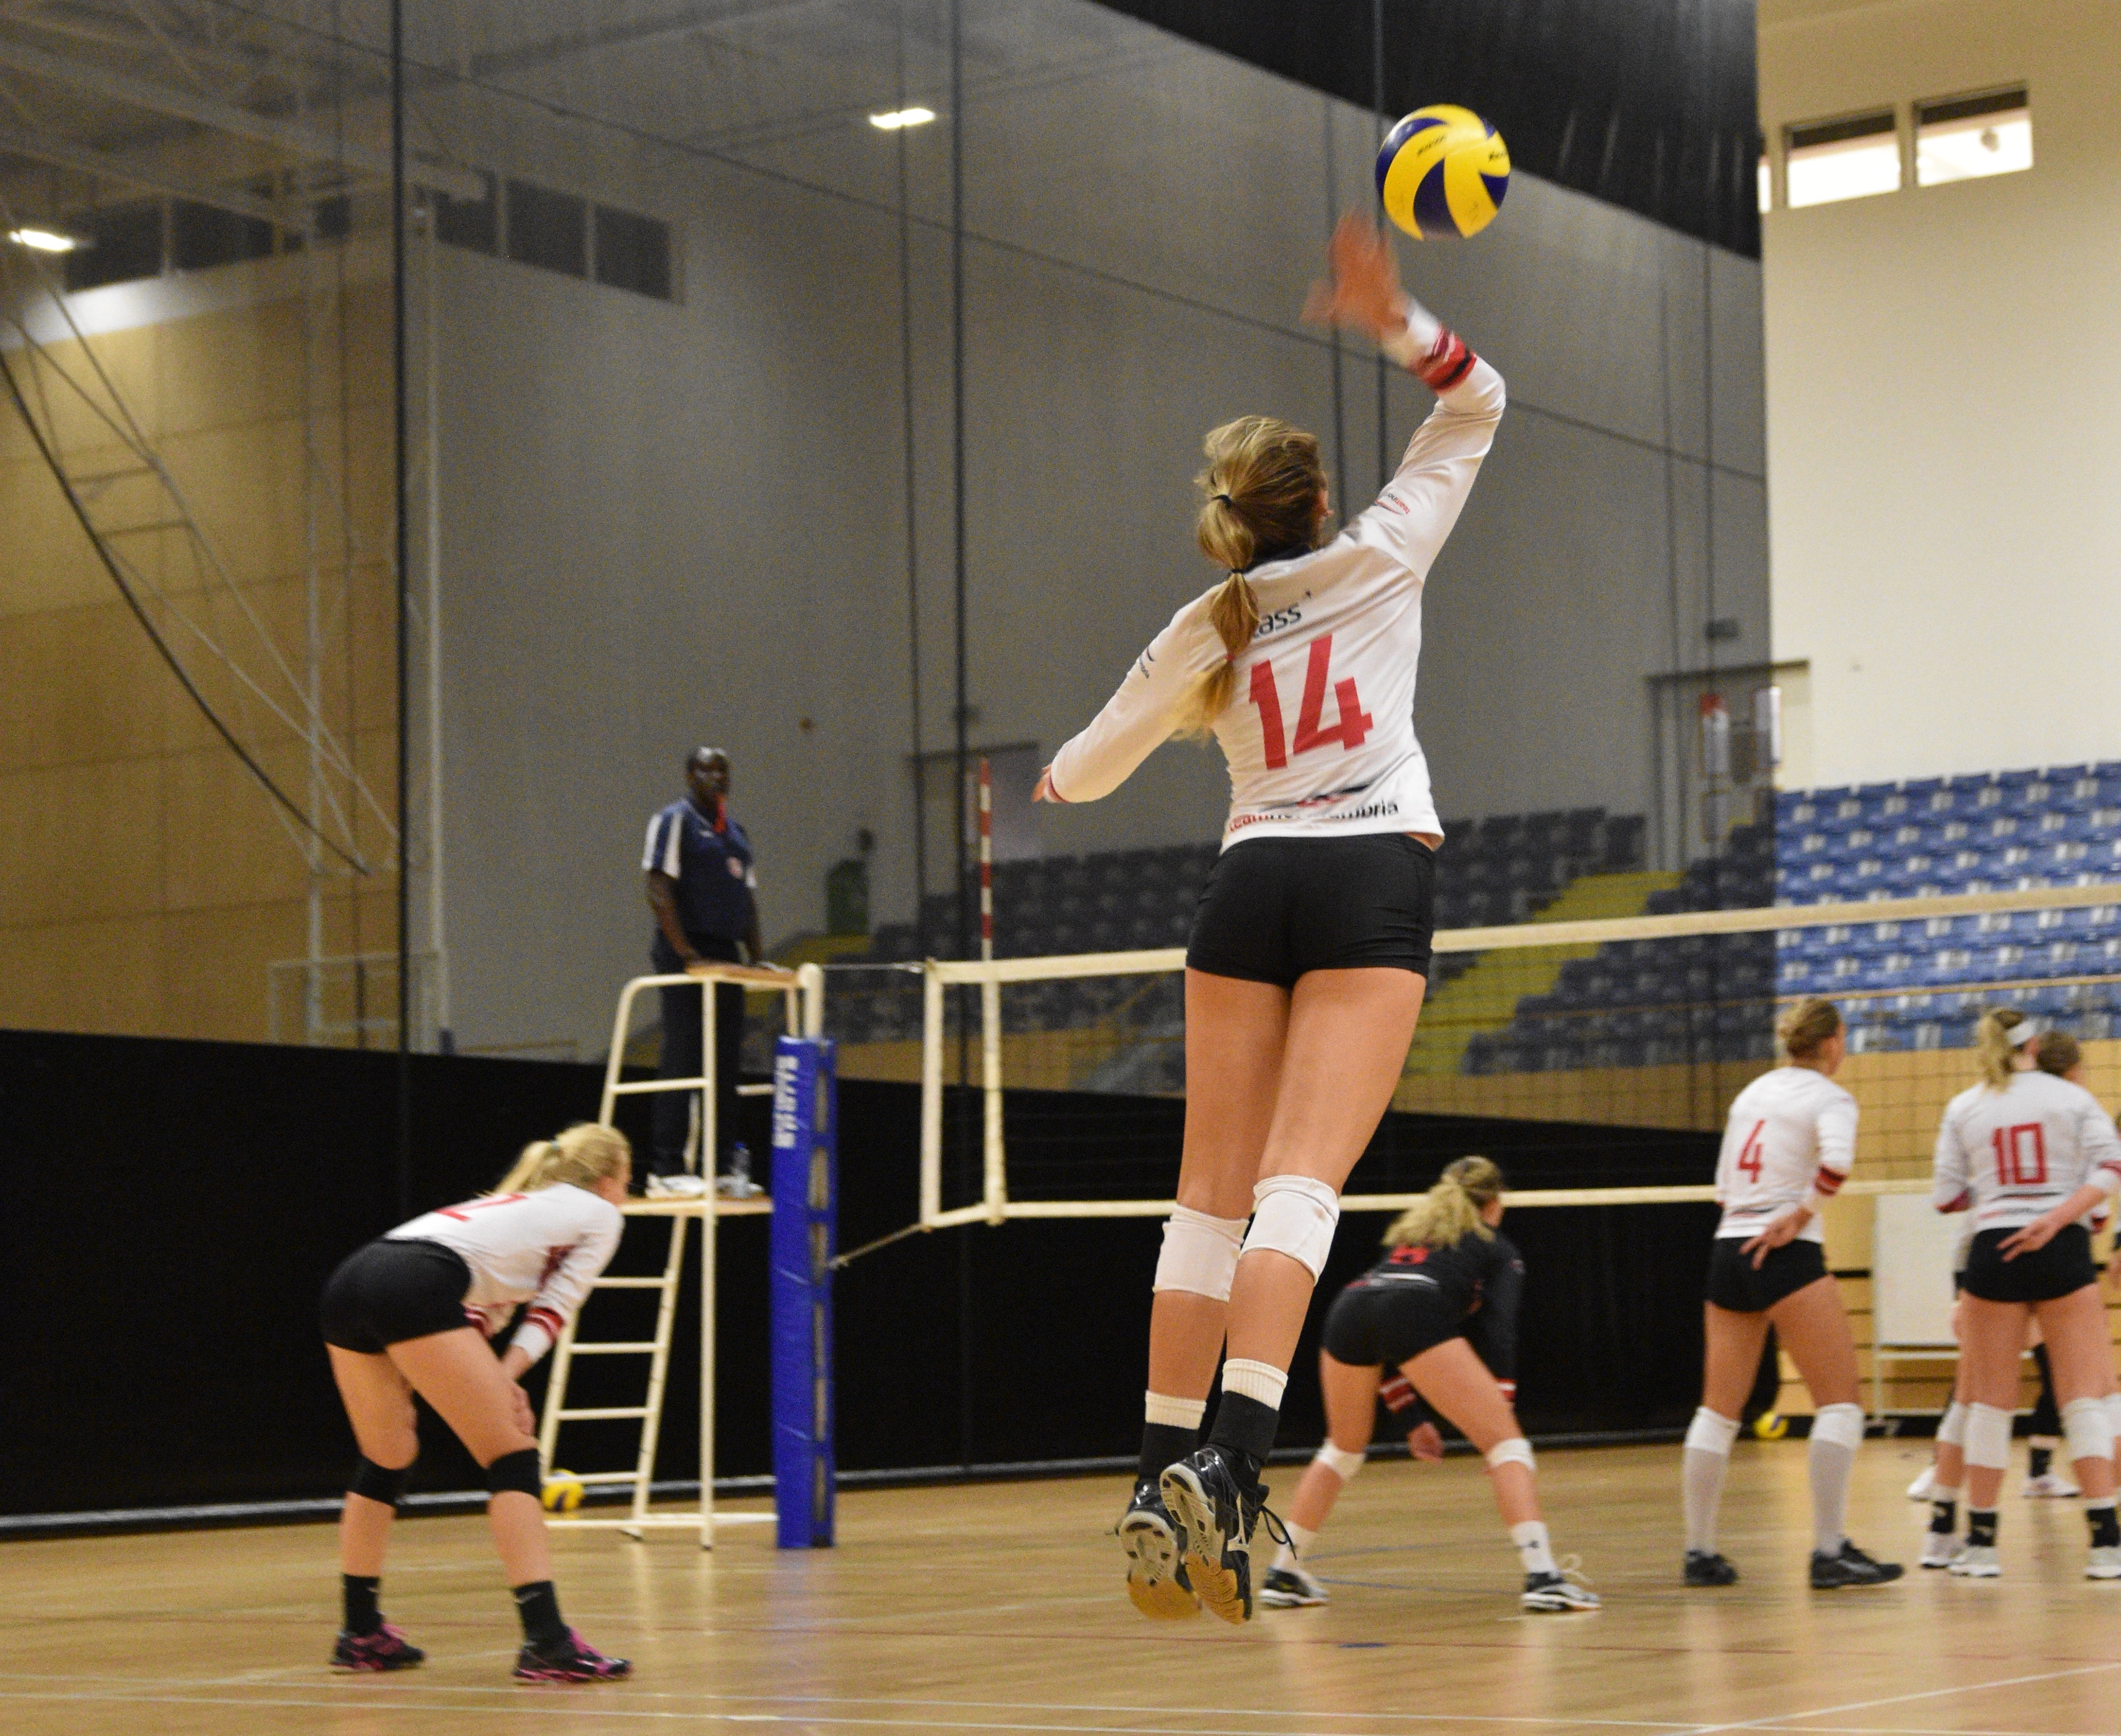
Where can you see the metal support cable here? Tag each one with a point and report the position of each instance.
(133, 602)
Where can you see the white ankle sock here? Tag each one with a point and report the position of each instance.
(1291, 1554)
(1533, 1548)
(1178, 1413)
(1257, 1380)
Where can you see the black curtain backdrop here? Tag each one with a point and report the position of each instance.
(175, 1207)
(1651, 104)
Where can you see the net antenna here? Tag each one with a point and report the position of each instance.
(996, 1206)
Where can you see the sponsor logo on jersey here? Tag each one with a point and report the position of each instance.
(1392, 500)
(1279, 619)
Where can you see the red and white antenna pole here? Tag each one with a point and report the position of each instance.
(995, 1189)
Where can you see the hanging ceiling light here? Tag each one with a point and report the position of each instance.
(892, 120)
(44, 240)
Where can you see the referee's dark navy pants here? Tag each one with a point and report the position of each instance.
(681, 1055)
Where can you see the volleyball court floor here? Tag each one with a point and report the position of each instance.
(999, 1607)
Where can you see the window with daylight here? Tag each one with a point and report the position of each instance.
(1767, 184)
(1848, 159)
(1960, 138)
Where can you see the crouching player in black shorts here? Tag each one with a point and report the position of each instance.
(1787, 1147)
(2032, 1156)
(1441, 1308)
(411, 1313)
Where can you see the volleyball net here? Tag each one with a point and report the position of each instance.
(1586, 1047)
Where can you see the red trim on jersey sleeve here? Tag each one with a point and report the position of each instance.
(545, 1317)
(1827, 1183)
(1958, 1202)
(1447, 363)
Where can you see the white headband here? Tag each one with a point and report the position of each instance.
(2025, 1032)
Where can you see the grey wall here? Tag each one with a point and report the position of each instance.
(671, 524)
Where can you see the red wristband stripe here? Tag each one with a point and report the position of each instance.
(1827, 1183)
(1447, 363)
(546, 1317)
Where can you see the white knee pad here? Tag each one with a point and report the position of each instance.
(2114, 1417)
(2085, 1427)
(1712, 1432)
(1952, 1432)
(1199, 1253)
(1294, 1215)
(1516, 1450)
(1342, 1465)
(1840, 1424)
(1988, 1437)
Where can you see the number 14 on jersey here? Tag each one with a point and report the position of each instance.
(1353, 722)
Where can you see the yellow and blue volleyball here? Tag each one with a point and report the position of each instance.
(1442, 171)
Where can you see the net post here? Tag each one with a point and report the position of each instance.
(803, 1238)
(994, 1184)
(931, 1093)
(810, 982)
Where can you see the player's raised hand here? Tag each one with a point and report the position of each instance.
(1364, 292)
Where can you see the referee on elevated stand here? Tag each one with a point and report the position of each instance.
(701, 883)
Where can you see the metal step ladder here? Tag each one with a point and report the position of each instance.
(805, 994)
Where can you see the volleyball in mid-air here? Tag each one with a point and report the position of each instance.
(1442, 171)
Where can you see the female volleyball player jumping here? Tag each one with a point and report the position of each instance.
(1442, 1308)
(410, 1312)
(1311, 946)
(2032, 1155)
(1788, 1146)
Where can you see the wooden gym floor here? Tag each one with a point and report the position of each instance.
(999, 1608)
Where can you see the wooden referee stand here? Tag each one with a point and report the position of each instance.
(804, 991)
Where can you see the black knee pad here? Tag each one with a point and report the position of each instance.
(379, 1482)
(517, 1471)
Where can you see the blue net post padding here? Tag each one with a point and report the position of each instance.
(806, 1195)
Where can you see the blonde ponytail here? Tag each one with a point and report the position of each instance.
(1992, 1042)
(1451, 1211)
(583, 1156)
(1262, 488)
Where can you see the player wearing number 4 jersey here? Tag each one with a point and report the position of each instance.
(411, 1313)
(1788, 1146)
(1311, 947)
(2032, 1156)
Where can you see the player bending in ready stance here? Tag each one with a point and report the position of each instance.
(410, 1312)
(1310, 951)
(1441, 1310)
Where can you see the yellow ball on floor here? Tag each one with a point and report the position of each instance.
(1769, 1425)
(563, 1491)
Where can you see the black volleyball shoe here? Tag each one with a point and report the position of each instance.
(1704, 1567)
(386, 1649)
(573, 1658)
(1155, 1548)
(1213, 1499)
(1850, 1569)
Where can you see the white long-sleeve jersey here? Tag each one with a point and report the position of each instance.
(2013, 1154)
(545, 1248)
(1319, 734)
(1790, 1132)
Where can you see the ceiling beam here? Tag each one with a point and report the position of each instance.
(111, 166)
(205, 111)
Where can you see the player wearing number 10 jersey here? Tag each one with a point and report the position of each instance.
(1310, 949)
(1788, 1146)
(2033, 1156)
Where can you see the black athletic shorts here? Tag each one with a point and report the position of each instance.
(1390, 1323)
(2062, 1268)
(1274, 907)
(389, 1291)
(1733, 1284)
